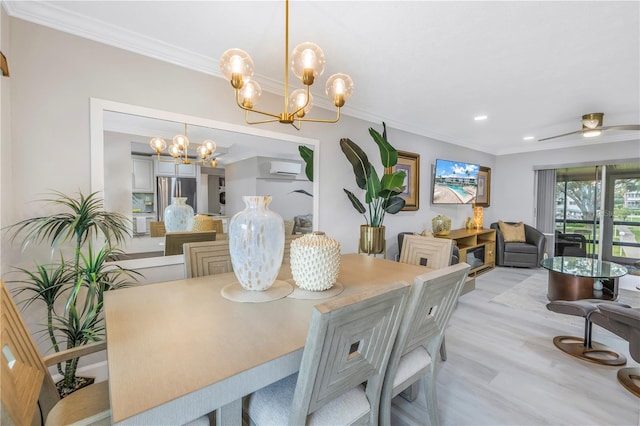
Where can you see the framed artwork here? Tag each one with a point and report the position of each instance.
(410, 163)
(483, 193)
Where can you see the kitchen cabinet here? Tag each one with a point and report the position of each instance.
(142, 176)
(168, 168)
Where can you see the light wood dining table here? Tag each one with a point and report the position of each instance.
(178, 350)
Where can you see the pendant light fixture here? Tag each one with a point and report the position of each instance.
(307, 63)
(179, 149)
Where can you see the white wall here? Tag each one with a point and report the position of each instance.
(512, 181)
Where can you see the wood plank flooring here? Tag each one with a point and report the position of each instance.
(503, 369)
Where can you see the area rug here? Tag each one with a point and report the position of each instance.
(531, 295)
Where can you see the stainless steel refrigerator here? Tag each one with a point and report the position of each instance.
(169, 187)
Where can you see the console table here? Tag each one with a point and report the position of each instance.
(477, 248)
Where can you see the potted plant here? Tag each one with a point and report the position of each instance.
(82, 281)
(381, 194)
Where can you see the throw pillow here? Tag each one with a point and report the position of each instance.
(512, 233)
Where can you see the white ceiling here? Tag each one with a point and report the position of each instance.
(427, 67)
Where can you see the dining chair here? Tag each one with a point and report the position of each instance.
(286, 256)
(432, 252)
(348, 343)
(26, 378)
(413, 360)
(173, 241)
(207, 258)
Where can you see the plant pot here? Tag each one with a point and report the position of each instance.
(372, 239)
(79, 382)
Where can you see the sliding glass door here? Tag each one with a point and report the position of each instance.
(621, 218)
(607, 197)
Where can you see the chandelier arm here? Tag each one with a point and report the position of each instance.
(252, 109)
(318, 120)
(246, 119)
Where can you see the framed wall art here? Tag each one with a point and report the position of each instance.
(410, 163)
(483, 194)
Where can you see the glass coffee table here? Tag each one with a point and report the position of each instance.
(573, 278)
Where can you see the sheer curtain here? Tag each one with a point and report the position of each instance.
(546, 205)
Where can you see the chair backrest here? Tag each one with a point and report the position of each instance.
(431, 252)
(157, 229)
(429, 307)
(288, 227)
(349, 343)
(286, 256)
(207, 258)
(173, 241)
(24, 375)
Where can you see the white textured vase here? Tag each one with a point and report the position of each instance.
(315, 261)
(178, 216)
(256, 244)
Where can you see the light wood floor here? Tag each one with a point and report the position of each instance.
(503, 369)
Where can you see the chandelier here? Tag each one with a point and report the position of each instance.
(307, 63)
(179, 149)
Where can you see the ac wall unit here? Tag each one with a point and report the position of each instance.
(285, 168)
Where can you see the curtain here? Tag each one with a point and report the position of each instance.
(546, 201)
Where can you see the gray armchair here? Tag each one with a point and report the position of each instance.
(528, 254)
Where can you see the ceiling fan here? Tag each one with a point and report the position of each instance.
(592, 126)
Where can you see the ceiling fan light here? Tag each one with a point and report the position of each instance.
(591, 133)
(593, 120)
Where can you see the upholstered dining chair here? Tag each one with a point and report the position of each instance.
(348, 343)
(173, 241)
(432, 252)
(286, 256)
(413, 359)
(207, 258)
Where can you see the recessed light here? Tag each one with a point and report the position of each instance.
(480, 117)
(528, 138)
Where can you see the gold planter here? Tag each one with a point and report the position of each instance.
(372, 239)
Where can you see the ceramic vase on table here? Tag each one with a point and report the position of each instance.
(256, 244)
(178, 216)
(315, 261)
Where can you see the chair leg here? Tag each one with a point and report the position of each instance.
(628, 378)
(429, 387)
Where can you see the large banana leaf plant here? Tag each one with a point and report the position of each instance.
(381, 194)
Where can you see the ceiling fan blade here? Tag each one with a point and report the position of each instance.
(623, 127)
(559, 136)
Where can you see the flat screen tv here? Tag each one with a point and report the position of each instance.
(454, 182)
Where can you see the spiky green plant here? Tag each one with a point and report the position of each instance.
(82, 220)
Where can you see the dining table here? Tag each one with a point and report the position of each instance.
(178, 350)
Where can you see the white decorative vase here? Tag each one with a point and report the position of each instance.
(315, 261)
(256, 244)
(178, 216)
